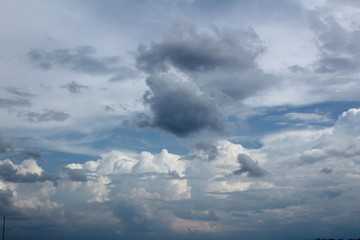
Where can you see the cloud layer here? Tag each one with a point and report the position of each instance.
(179, 119)
(146, 193)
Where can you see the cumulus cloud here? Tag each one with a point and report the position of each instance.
(222, 62)
(204, 150)
(74, 87)
(346, 126)
(250, 167)
(189, 50)
(146, 192)
(326, 170)
(219, 67)
(76, 174)
(317, 147)
(179, 109)
(28, 171)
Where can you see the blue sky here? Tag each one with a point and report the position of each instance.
(179, 119)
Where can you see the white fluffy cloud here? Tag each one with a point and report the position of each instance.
(167, 192)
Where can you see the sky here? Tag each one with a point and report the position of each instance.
(180, 119)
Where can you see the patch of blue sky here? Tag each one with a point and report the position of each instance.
(277, 118)
(274, 119)
(137, 140)
(52, 161)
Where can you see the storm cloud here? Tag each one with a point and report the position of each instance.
(179, 109)
(218, 66)
(222, 62)
(250, 167)
(189, 50)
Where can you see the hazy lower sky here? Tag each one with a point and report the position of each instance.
(180, 119)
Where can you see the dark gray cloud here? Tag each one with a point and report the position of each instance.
(221, 63)
(74, 87)
(133, 218)
(109, 108)
(197, 215)
(5, 146)
(31, 154)
(250, 167)
(189, 50)
(5, 199)
(77, 175)
(339, 47)
(326, 170)
(220, 67)
(18, 92)
(331, 193)
(80, 60)
(179, 109)
(9, 174)
(46, 116)
(10, 103)
(204, 150)
(296, 69)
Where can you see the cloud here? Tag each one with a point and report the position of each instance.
(346, 126)
(5, 146)
(18, 92)
(209, 70)
(5, 201)
(250, 167)
(143, 193)
(221, 62)
(10, 103)
(189, 50)
(28, 172)
(31, 154)
(339, 47)
(46, 116)
(206, 151)
(326, 170)
(80, 60)
(197, 215)
(179, 109)
(74, 87)
(77, 175)
(122, 74)
(307, 117)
